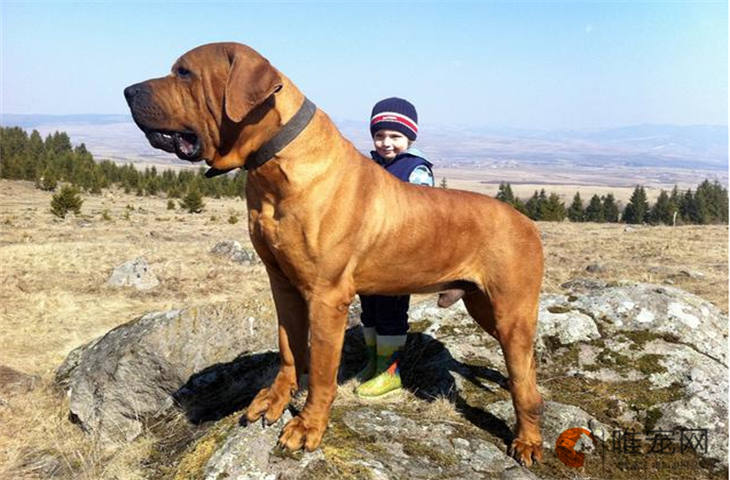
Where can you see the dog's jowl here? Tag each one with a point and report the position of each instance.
(317, 208)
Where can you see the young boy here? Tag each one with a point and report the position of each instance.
(394, 127)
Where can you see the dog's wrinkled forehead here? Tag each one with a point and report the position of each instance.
(215, 55)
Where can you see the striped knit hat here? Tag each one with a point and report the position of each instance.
(395, 114)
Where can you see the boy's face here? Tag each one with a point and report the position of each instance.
(389, 143)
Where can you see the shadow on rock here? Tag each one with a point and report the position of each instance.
(428, 371)
(224, 388)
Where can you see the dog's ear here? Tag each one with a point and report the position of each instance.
(251, 80)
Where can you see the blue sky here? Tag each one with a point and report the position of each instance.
(547, 65)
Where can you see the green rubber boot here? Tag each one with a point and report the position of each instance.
(388, 358)
(370, 368)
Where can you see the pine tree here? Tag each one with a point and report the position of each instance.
(702, 204)
(67, 199)
(443, 183)
(575, 211)
(34, 155)
(505, 193)
(193, 202)
(662, 212)
(712, 202)
(610, 208)
(48, 181)
(688, 208)
(553, 209)
(532, 207)
(595, 211)
(675, 199)
(637, 208)
(520, 206)
(721, 202)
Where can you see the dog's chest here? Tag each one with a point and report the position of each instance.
(276, 234)
(264, 227)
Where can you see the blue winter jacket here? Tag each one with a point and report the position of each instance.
(409, 166)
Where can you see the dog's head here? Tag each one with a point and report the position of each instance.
(200, 108)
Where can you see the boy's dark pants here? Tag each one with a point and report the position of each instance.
(389, 315)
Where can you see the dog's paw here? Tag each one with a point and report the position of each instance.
(269, 404)
(526, 452)
(297, 433)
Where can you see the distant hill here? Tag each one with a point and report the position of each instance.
(699, 147)
(37, 120)
(671, 146)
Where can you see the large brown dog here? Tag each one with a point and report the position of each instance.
(329, 223)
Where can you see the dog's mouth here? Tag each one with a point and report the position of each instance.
(186, 144)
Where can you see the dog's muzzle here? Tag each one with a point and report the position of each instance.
(185, 144)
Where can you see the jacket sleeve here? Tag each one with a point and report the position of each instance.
(421, 175)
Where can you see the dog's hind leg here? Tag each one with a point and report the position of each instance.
(328, 319)
(480, 309)
(291, 310)
(513, 324)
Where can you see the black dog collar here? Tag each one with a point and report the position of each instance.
(283, 137)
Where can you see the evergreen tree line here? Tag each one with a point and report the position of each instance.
(53, 159)
(708, 204)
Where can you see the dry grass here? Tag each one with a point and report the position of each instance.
(693, 258)
(55, 298)
(54, 271)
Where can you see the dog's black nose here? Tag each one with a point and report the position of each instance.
(133, 90)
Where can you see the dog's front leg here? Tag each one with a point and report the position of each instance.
(327, 320)
(291, 311)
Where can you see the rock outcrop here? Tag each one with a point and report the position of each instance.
(233, 250)
(138, 370)
(612, 358)
(134, 273)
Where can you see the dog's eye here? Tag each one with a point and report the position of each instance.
(182, 72)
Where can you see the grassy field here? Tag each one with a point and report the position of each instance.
(55, 298)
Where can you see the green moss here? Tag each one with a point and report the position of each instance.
(652, 417)
(552, 342)
(340, 446)
(478, 395)
(460, 330)
(418, 327)
(420, 450)
(281, 452)
(559, 309)
(593, 367)
(614, 360)
(600, 399)
(197, 455)
(642, 337)
(563, 357)
(649, 364)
